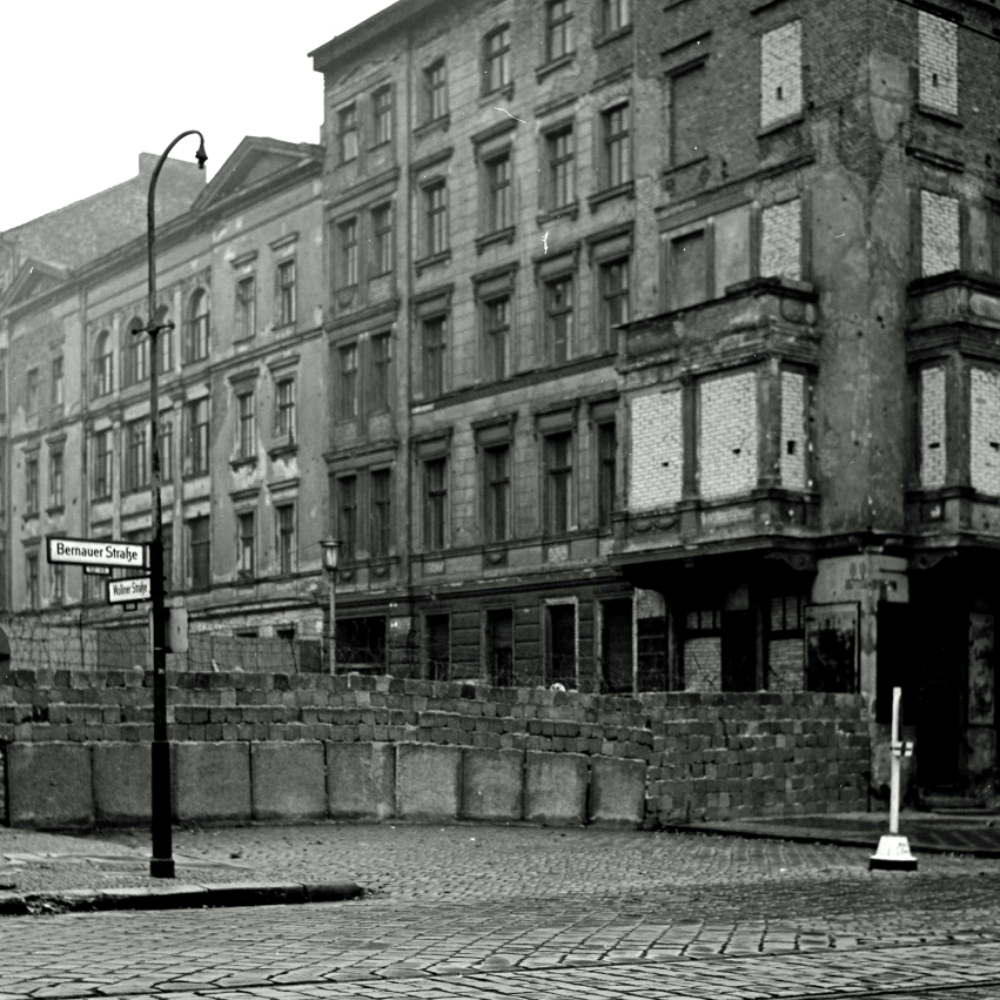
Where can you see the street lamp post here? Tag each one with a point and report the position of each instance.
(161, 864)
(330, 546)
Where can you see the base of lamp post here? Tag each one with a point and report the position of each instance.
(161, 867)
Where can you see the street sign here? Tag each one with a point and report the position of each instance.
(97, 571)
(82, 552)
(129, 590)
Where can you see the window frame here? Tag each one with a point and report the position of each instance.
(246, 423)
(57, 478)
(32, 485)
(136, 457)
(497, 489)
(558, 349)
(497, 59)
(285, 408)
(559, 487)
(380, 369)
(382, 257)
(496, 337)
(348, 134)
(380, 513)
(560, 167)
(196, 439)
(609, 298)
(435, 91)
(607, 472)
(197, 328)
(246, 307)
(559, 26)
(435, 503)
(199, 552)
(33, 392)
(102, 380)
(551, 606)
(498, 191)
(57, 390)
(348, 249)
(347, 516)
(382, 116)
(621, 9)
(616, 146)
(285, 280)
(285, 534)
(102, 481)
(246, 544)
(433, 354)
(347, 382)
(435, 217)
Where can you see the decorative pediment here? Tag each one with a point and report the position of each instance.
(33, 278)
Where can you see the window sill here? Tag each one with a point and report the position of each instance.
(106, 498)
(495, 553)
(283, 449)
(500, 236)
(190, 477)
(686, 165)
(939, 114)
(789, 121)
(239, 341)
(239, 463)
(56, 510)
(570, 211)
(613, 36)
(346, 163)
(432, 261)
(380, 145)
(626, 190)
(506, 91)
(244, 578)
(554, 65)
(31, 515)
(287, 325)
(134, 491)
(441, 124)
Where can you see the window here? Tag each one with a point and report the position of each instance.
(613, 278)
(196, 444)
(607, 472)
(286, 292)
(31, 384)
(436, 216)
(496, 493)
(165, 351)
(499, 213)
(199, 553)
(57, 582)
(246, 405)
(687, 115)
(58, 385)
(435, 91)
(286, 539)
(167, 548)
(380, 373)
(381, 511)
(433, 335)
(136, 456)
(246, 545)
(381, 240)
(166, 442)
(496, 71)
(284, 408)
(196, 328)
(347, 133)
(361, 645)
(136, 353)
(617, 159)
(561, 156)
(31, 485)
(347, 517)
(616, 646)
(438, 633)
(558, 29)
(435, 503)
(382, 115)
(615, 15)
(558, 451)
(103, 456)
(496, 327)
(687, 282)
(561, 645)
(246, 307)
(31, 580)
(347, 408)
(56, 478)
(348, 233)
(103, 365)
(559, 319)
(500, 647)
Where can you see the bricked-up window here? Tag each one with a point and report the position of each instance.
(31, 503)
(32, 392)
(101, 475)
(347, 133)
(498, 207)
(347, 517)
(560, 635)
(246, 307)
(284, 408)
(435, 503)
(932, 428)
(380, 359)
(687, 116)
(984, 457)
(199, 553)
(613, 280)
(616, 646)
(347, 245)
(616, 146)
(196, 438)
(435, 218)
(727, 439)
(500, 646)
(558, 484)
(496, 493)
(246, 407)
(246, 545)
(435, 91)
(656, 441)
(286, 293)
(607, 472)
(347, 382)
(496, 60)
(781, 240)
(136, 456)
(687, 278)
(940, 234)
(382, 116)
(286, 538)
(381, 240)
(558, 28)
(31, 581)
(103, 364)
(433, 343)
(136, 367)
(781, 73)
(437, 632)
(56, 478)
(496, 330)
(615, 15)
(560, 151)
(793, 430)
(196, 328)
(380, 493)
(57, 582)
(559, 318)
(938, 62)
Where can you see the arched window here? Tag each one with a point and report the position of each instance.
(103, 364)
(136, 352)
(196, 327)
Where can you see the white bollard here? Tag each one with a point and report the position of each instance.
(893, 853)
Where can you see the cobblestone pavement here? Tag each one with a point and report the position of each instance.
(489, 912)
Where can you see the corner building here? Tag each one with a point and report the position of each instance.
(662, 345)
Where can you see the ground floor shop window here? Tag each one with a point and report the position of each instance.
(361, 645)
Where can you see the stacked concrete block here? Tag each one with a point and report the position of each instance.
(428, 781)
(211, 782)
(361, 780)
(50, 785)
(289, 780)
(555, 788)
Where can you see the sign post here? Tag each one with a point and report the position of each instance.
(893, 852)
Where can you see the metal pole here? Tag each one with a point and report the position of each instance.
(333, 621)
(894, 765)
(161, 864)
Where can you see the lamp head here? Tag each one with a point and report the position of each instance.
(201, 156)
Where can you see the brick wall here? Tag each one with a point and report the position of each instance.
(656, 463)
(938, 62)
(781, 73)
(781, 240)
(785, 665)
(933, 457)
(727, 445)
(793, 444)
(703, 664)
(984, 456)
(939, 233)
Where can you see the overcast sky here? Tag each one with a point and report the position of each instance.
(86, 87)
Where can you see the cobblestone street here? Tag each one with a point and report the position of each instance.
(511, 911)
